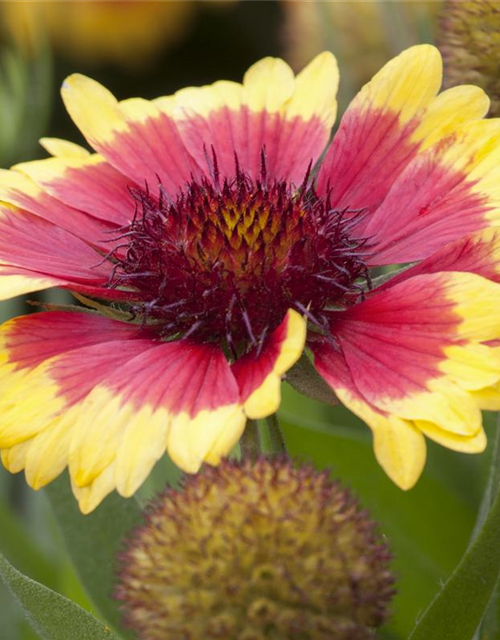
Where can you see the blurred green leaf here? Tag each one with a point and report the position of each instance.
(94, 540)
(52, 615)
(25, 102)
(23, 549)
(459, 608)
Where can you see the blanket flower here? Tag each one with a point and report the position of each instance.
(214, 239)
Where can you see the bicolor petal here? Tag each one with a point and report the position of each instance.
(477, 253)
(177, 396)
(418, 352)
(104, 397)
(260, 371)
(29, 242)
(398, 445)
(288, 117)
(20, 191)
(397, 114)
(87, 183)
(37, 254)
(135, 136)
(448, 191)
(37, 353)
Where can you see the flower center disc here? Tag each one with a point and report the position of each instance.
(225, 261)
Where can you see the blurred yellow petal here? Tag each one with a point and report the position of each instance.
(63, 148)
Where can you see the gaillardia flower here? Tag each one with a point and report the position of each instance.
(225, 250)
(255, 551)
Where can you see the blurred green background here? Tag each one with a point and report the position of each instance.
(153, 50)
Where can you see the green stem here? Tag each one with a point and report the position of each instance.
(250, 441)
(492, 483)
(490, 620)
(276, 440)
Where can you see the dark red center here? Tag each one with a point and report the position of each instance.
(225, 261)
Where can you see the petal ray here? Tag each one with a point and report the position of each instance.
(109, 401)
(38, 353)
(184, 399)
(20, 191)
(394, 125)
(259, 372)
(446, 192)
(134, 136)
(87, 183)
(32, 244)
(412, 358)
(290, 117)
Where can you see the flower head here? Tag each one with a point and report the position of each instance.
(253, 551)
(470, 42)
(207, 264)
(224, 247)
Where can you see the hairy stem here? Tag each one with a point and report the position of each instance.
(276, 440)
(250, 441)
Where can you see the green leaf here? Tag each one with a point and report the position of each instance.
(304, 378)
(52, 615)
(459, 608)
(94, 540)
(25, 102)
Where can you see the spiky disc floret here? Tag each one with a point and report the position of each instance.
(210, 262)
(255, 551)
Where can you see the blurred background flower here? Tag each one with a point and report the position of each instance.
(469, 37)
(363, 35)
(127, 33)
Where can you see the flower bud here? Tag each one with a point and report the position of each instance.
(255, 551)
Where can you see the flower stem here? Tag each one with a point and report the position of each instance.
(276, 440)
(250, 441)
(490, 621)
(492, 482)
